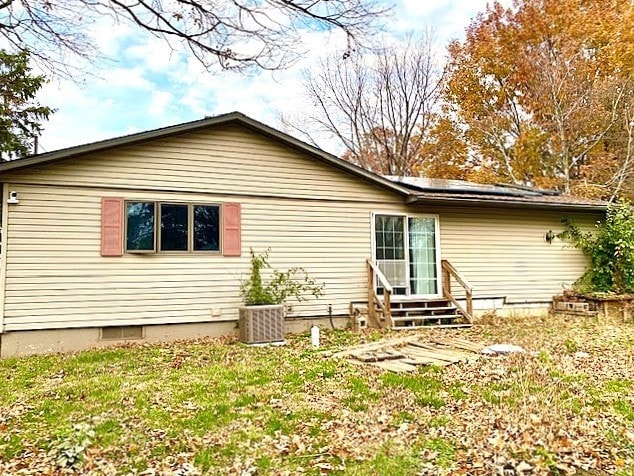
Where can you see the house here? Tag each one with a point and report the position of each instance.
(147, 236)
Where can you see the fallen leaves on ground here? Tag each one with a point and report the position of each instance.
(566, 406)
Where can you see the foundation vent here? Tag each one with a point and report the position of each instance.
(122, 333)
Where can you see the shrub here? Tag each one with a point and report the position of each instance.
(282, 286)
(610, 249)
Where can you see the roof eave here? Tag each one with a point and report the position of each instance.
(508, 204)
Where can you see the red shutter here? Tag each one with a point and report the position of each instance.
(231, 230)
(111, 226)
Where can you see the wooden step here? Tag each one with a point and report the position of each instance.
(420, 303)
(426, 325)
(426, 318)
(434, 326)
(419, 309)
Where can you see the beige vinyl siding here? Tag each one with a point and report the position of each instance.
(309, 213)
(226, 160)
(56, 277)
(503, 252)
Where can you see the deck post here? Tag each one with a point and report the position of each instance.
(446, 281)
(469, 294)
(449, 272)
(388, 305)
(371, 308)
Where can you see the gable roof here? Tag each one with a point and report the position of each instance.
(208, 122)
(416, 190)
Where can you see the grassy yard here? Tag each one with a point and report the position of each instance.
(218, 407)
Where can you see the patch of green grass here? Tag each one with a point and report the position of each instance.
(323, 369)
(264, 463)
(108, 432)
(544, 357)
(360, 395)
(456, 392)
(490, 396)
(403, 417)
(245, 400)
(427, 390)
(91, 359)
(283, 423)
(571, 401)
(21, 375)
(575, 378)
(445, 451)
(293, 381)
(571, 346)
(205, 459)
(621, 386)
(439, 421)
(624, 408)
(548, 458)
(500, 394)
(388, 461)
(209, 418)
(10, 447)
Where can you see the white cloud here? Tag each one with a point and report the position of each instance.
(159, 102)
(147, 85)
(126, 77)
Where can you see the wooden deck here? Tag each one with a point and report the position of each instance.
(406, 353)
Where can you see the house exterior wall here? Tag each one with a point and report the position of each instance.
(56, 277)
(504, 253)
(309, 213)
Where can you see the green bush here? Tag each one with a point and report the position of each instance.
(282, 285)
(610, 249)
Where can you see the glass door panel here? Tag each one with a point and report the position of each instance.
(423, 277)
(390, 250)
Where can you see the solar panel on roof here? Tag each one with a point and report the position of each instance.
(461, 186)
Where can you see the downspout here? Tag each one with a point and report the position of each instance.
(3, 255)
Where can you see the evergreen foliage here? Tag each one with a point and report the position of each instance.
(20, 115)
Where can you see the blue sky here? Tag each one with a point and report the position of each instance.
(144, 85)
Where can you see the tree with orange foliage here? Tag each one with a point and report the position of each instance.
(541, 92)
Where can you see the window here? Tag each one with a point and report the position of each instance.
(140, 226)
(174, 227)
(206, 228)
(178, 227)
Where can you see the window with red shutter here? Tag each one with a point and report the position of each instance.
(111, 226)
(232, 229)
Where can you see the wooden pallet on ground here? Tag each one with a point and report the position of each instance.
(406, 354)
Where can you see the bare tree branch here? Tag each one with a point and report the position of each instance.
(380, 105)
(234, 34)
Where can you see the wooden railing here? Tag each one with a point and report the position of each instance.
(448, 272)
(373, 299)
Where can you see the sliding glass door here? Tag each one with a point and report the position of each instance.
(390, 252)
(406, 251)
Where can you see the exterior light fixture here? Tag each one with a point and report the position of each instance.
(13, 198)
